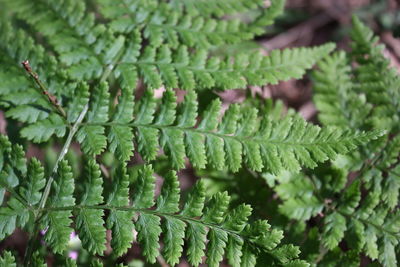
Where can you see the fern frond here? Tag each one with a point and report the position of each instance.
(85, 60)
(299, 202)
(42, 130)
(240, 138)
(366, 223)
(369, 101)
(81, 43)
(215, 220)
(170, 23)
(335, 226)
(215, 229)
(371, 97)
(12, 216)
(23, 101)
(334, 96)
(181, 69)
(13, 178)
(38, 261)
(263, 143)
(375, 77)
(365, 42)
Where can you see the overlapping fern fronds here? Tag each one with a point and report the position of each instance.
(83, 60)
(87, 50)
(207, 229)
(213, 143)
(361, 96)
(368, 225)
(374, 88)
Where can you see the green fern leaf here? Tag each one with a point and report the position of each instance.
(147, 136)
(81, 99)
(27, 113)
(120, 222)
(334, 98)
(214, 232)
(148, 225)
(248, 258)
(42, 130)
(70, 31)
(286, 253)
(7, 260)
(120, 136)
(34, 184)
(195, 232)
(168, 201)
(92, 137)
(371, 246)
(296, 191)
(12, 216)
(236, 72)
(217, 238)
(173, 228)
(387, 254)
(38, 261)
(173, 24)
(262, 144)
(90, 222)
(335, 226)
(59, 221)
(14, 172)
(216, 246)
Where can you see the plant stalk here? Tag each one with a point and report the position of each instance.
(61, 156)
(50, 98)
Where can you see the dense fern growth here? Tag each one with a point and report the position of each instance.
(196, 222)
(360, 213)
(107, 91)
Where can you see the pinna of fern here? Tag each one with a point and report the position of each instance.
(226, 232)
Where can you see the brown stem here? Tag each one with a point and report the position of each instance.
(51, 98)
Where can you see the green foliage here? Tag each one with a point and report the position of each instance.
(355, 200)
(212, 229)
(85, 46)
(91, 79)
(189, 22)
(241, 136)
(7, 260)
(181, 69)
(58, 221)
